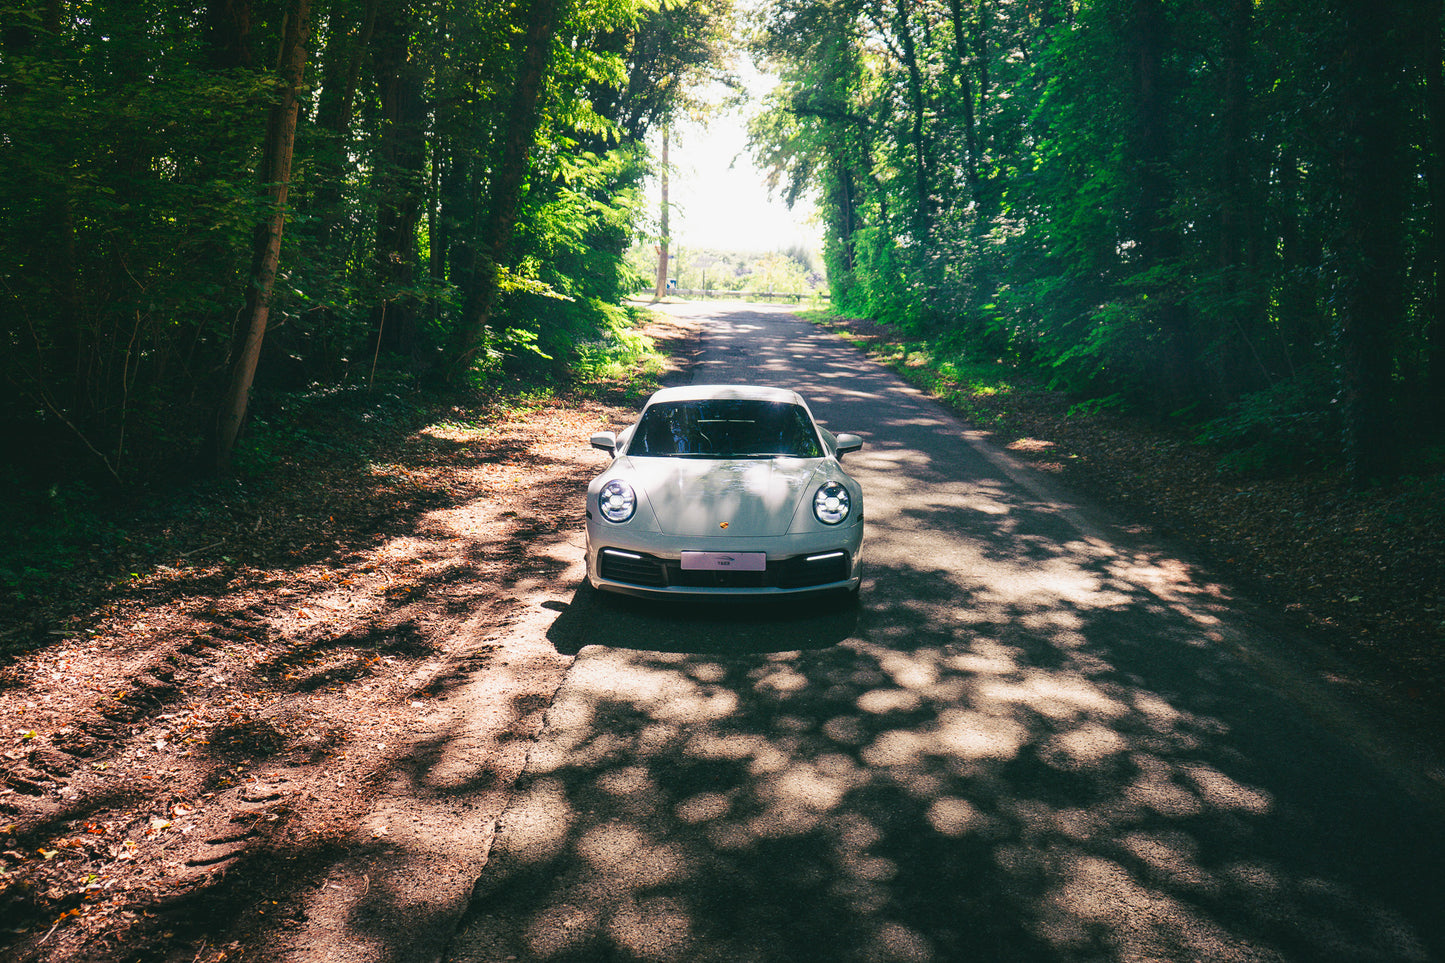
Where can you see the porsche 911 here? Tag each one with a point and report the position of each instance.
(725, 490)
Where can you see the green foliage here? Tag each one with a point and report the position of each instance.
(777, 274)
(620, 356)
(1151, 202)
(708, 269)
(271, 440)
(48, 531)
(572, 242)
(1288, 427)
(887, 281)
(1091, 407)
(130, 201)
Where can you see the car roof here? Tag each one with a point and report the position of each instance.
(730, 392)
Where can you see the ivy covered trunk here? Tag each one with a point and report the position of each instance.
(517, 136)
(275, 176)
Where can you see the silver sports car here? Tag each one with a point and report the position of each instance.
(724, 490)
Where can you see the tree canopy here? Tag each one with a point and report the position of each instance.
(1227, 211)
(455, 196)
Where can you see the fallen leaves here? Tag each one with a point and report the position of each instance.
(1360, 566)
(219, 723)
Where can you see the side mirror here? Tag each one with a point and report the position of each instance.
(605, 441)
(846, 442)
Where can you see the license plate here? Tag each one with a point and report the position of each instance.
(728, 561)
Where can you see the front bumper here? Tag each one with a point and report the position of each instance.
(652, 565)
(638, 573)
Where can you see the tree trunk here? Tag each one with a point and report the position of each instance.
(1237, 198)
(346, 49)
(1369, 248)
(275, 176)
(981, 53)
(400, 176)
(1151, 131)
(517, 135)
(922, 221)
(847, 213)
(665, 235)
(1295, 293)
(1433, 57)
(970, 120)
(1239, 319)
(1156, 236)
(228, 34)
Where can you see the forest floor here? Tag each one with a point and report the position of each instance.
(1361, 572)
(229, 740)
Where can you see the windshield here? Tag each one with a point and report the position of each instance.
(725, 428)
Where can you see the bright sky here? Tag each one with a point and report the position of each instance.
(719, 199)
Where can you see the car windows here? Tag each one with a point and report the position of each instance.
(725, 428)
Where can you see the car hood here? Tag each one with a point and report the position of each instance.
(737, 498)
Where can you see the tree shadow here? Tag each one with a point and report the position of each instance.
(704, 627)
(1063, 775)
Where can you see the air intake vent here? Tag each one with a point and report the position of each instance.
(631, 568)
(648, 571)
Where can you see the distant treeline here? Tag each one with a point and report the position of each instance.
(795, 271)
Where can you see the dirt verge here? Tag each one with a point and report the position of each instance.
(1362, 572)
(288, 732)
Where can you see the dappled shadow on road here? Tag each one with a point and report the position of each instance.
(1044, 759)
(1032, 741)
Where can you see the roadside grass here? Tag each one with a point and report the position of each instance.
(625, 359)
(952, 374)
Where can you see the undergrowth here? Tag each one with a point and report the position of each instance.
(1288, 429)
(49, 530)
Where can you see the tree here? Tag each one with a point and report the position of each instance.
(1369, 241)
(1168, 203)
(401, 175)
(1158, 245)
(275, 182)
(466, 180)
(917, 141)
(664, 236)
(1432, 57)
(963, 59)
(540, 24)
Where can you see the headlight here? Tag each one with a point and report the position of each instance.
(831, 504)
(616, 501)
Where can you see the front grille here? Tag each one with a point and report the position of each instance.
(649, 571)
(721, 578)
(631, 568)
(818, 569)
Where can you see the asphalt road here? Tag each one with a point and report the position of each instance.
(1037, 738)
